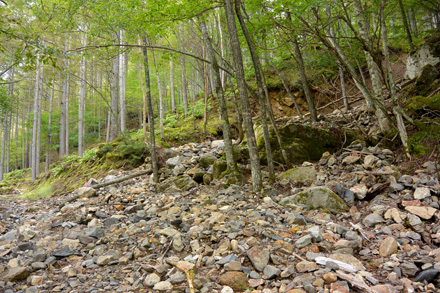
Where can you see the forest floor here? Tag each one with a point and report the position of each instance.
(383, 234)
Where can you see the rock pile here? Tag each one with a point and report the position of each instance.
(349, 223)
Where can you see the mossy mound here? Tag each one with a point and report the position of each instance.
(300, 173)
(124, 153)
(301, 142)
(218, 169)
(421, 103)
(320, 198)
(179, 183)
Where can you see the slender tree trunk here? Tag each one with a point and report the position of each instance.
(35, 130)
(172, 89)
(49, 125)
(108, 124)
(82, 98)
(40, 102)
(159, 88)
(144, 96)
(150, 113)
(205, 89)
(184, 85)
(397, 110)
(260, 94)
(245, 105)
(222, 53)
(221, 99)
(122, 72)
(23, 138)
(288, 91)
(412, 18)
(305, 82)
(406, 25)
(115, 95)
(373, 68)
(4, 145)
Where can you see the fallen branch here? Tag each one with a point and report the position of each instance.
(121, 179)
(355, 282)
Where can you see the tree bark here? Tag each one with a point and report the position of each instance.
(150, 114)
(172, 89)
(305, 82)
(115, 97)
(35, 158)
(184, 85)
(122, 72)
(82, 98)
(221, 99)
(49, 125)
(159, 88)
(260, 94)
(406, 25)
(245, 105)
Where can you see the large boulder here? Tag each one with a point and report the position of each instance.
(207, 160)
(301, 142)
(300, 173)
(218, 168)
(427, 54)
(320, 198)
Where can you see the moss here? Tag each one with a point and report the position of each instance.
(218, 168)
(418, 103)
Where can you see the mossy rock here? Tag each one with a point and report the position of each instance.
(218, 168)
(179, 183)
(207, 160)
(300, 173)
(198, 176)
(320, 198)
(419, 103)
(426, 82)
(301, 142)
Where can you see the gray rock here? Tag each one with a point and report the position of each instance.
(177, 277)
(86, 192)
(17, 274)
(422, 192)
(271, 272)
(427, 275)
(96, 232)
(259, 257)
(320, 197)
(409, 269)
(38, 256)
(63, 252)
(170, 153)
(303, 241)
(9, 236)
(207, 160)
(163, 286)
(300, 173)
(151, 280)
(372, 220)
(315, 233)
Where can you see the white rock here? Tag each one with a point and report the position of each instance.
(422, 192)
(227, 289)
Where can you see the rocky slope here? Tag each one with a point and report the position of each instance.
(348, 223)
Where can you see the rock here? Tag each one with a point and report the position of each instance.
(300, 173)
(227, 289)
(235, 280)
(388, 246)
(105, 259)
(372, 220)
(36, 280)
(182, 183)
(422, 192)
(174, 161)
(350, 259)
(163, 286)
(28, 234)
(417, 60)
(360, 191)
(170, 153)
(330, 277)
(427, 275)
(63, 252)
(96, 232)
(9, 236)
(350, 160)
(409, 269)
(384, 289)
(259, 257)
(217, 143)
(315, 233)
(233, 266)
(423, 212)
(151, 280)
(371, 162)
(86, 192)
(320, 197)
(177, 243)
(271, 272)
(206, 160)
(303, 241)
(307, 266)
(218, 168)
(17, 274)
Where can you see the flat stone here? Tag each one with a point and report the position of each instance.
(384, 289)
(235, 280)
(105, 259)
(259, 257)
(427, 275)
(423, 212)
(370, 161)
(320, 197)
(233, 266)
(388, 246)
(86, 192)
(17, 274)
(350, 259)
(163, 286)
(409, 269)
(303, 241)
(151, 280)
(360, 191)
(315, 233)
(307, 266)
(372, 220)
(271, 272)
(63, 252)
(350, 160)
(300, 173)
(422, 192)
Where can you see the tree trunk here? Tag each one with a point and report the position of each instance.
(221, 99)
(373, 68)
(397, 110)
(406, 25)
(144, 96)
(115, 96)
(4, 145)
(159, 88)
(172, 89)
(49, 125)
(122, 72)
(35, 160)
(305, 82)
(205, 89)
(288, 91)
(82, 98)
(150, 113)
(412, 18)
(220, 34)
(245, 105)
(260, 94)
(184, 85)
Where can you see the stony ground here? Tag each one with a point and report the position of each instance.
(348, 223)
